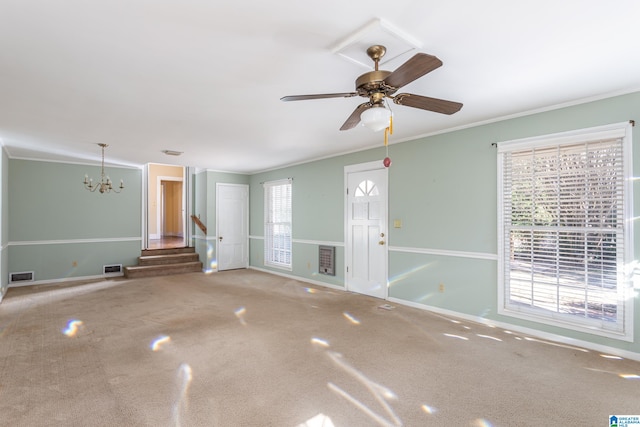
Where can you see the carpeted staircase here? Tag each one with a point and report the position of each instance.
(162, 262)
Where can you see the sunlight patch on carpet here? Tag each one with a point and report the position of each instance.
(157, 344)
(351, 318)
(72, 328)
(320, 420)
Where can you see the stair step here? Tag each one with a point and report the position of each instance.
(168, 251)
(162, 269)
(167, 258)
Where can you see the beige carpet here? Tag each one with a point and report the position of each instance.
(245, 348)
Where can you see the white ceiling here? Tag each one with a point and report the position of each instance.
(206, 77)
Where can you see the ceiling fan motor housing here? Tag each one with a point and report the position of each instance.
(372, 84)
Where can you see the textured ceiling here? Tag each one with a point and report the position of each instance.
(206, 78)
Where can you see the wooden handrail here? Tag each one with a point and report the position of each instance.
(199, 223)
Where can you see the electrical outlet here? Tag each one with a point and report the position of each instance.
(441, 288)
(308, 265)
(74, 263)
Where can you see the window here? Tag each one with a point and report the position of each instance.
(565, 230)
(277, 224)
(367, 188)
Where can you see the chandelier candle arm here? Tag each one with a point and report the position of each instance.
(105, 185)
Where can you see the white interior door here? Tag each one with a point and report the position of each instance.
(232, 223)
(366, 228)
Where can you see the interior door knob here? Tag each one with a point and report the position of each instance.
(381, 242)
(220, 238)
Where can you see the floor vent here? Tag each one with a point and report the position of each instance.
(327, 259)
(25, 276)
(112, 270)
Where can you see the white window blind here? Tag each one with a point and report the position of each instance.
(564, 237)
(277, 214)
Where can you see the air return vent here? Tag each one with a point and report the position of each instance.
(25, 276)
(326, 260)
(112, 270)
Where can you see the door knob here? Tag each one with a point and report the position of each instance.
(220, 238)
(381, 242)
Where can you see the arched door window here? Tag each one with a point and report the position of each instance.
(367, 188)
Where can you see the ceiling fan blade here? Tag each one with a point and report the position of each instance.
(354, 118)
(426, 103)
(419, 65)
(318, 96)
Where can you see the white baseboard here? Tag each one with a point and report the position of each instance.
(523, 330)
(300, 279)
(66, 279)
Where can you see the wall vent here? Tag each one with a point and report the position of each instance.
(112, 270)
(327, 257)
(24, 276)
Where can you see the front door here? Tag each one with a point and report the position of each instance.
(366, 247)
(232, 213)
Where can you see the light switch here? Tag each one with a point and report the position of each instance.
(397, 223)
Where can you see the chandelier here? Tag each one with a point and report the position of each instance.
(105, 185)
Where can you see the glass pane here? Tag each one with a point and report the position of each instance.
(366, 188)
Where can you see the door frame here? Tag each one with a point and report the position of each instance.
(160, 205)
(364, 167)
(187, 200)
(246, 221)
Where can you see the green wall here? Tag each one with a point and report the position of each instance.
(59, 230)
(444, 190)
(4, 222)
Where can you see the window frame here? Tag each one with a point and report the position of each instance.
(624, 281)
(268, 214)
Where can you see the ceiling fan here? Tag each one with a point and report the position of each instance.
(379, 85)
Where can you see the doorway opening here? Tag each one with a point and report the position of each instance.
(166, 207)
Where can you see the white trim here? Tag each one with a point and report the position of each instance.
(82, 163)
(144, 244)
(565, 322)
(362, 167)
(300, 279)
(318, 242)
(277, 182)
(445, 252)
(524, 330)
(67, 279)
(597, 133)
(223, 171)
(256, 237)
(188, 186)
(72, 241)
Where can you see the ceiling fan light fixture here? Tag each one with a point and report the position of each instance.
(376, 118)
